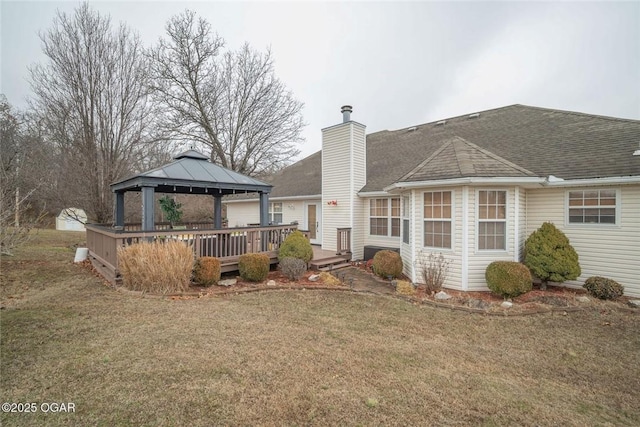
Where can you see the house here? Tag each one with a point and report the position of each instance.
(471, 187)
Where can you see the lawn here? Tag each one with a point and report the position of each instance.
(298, 357)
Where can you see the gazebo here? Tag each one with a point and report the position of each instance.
(190, 173)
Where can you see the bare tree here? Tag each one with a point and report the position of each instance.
(92, 98)
(230, 102)
(21, 158)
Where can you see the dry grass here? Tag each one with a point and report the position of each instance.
(157, 267)
(300, 358)
(405, 288)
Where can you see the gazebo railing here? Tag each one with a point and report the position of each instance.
(227, 244)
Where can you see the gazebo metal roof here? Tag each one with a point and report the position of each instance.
(191, 172)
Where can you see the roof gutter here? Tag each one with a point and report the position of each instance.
(399, 186)
(552, 181)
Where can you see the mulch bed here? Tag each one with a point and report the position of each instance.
(554, 298)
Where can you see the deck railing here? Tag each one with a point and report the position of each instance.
(227, 244)
(344, 241)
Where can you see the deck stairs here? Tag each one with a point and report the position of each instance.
(327, 260)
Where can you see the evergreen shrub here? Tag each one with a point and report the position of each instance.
(550, 256)
(293, 268)
(508, 278)
(207, 271)
(253, 267)
(387, 263)
(603, 288)
(296, 245)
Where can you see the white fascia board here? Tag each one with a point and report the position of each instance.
(278, 199)
(467, 181)
(374, 194)
(612, 180)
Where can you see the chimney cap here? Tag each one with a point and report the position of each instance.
(346, 108)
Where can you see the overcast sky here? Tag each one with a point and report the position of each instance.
(398, 63)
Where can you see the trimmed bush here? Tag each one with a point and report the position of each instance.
(508, 278)
(207, 271)
(405, 288)
(387, 263)
(603, 288)
(296, 245)
(550, 256)
(293, 268)
(253, 267)
(157, 267)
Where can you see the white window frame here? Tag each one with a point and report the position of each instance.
(405, 224)
(450, 219)
(493, 220)
(389, 217)
(616, 206)
(273, 213)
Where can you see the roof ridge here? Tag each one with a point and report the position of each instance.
(577, 113)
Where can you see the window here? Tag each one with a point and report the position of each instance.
(275, 213)
(437, 219)
(592, 207)
(384, 217)
(492, 220)
(405, 218)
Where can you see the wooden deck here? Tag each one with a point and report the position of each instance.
(226, 244)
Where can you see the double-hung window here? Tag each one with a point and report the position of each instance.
(492, 220)
(592, 206)
(384, 217)
(437, 219)
(275, 213)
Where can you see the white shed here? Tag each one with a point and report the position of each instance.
(71, 219)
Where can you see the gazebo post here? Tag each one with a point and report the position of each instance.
(148, 214)
(264, 219)
(264, 209)
(119, 208)
(217, 211)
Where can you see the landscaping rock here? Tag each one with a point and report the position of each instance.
(583, 299)
(271, 283)
(314, 277)
(634, 303)
(227, 282)
(506, 304)
(442, 295)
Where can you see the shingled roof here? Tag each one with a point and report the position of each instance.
(513, 141)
